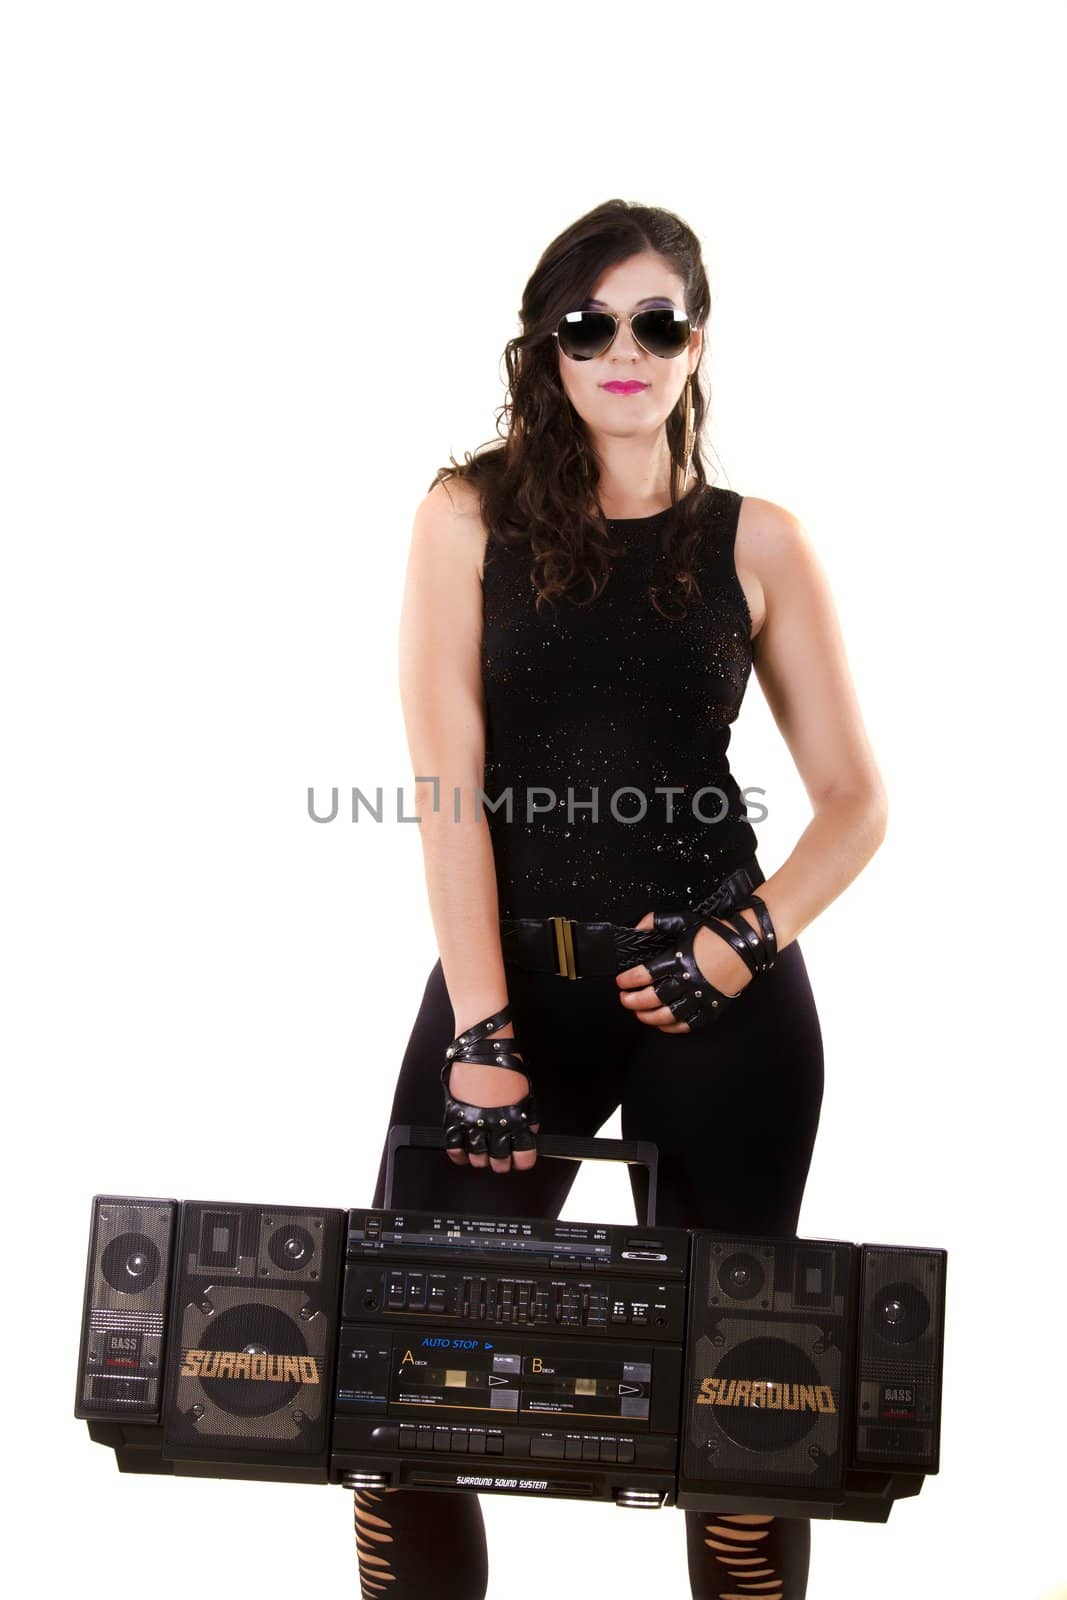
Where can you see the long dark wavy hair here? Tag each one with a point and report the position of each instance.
(539, 487)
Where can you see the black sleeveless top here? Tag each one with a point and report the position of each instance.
(613, 696)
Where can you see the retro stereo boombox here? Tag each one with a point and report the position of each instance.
(644, 1366)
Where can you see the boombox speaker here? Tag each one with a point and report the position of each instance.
(127, 1296)
(767, 1365)
(241, 1372)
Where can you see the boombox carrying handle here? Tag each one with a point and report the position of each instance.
(641, 1151)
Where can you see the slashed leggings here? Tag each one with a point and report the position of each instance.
(734, 1109)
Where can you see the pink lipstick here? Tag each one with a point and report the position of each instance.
(624, 388)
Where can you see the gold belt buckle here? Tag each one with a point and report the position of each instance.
(565, 964)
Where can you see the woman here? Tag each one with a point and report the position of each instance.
(581, 615)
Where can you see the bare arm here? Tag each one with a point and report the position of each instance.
(801, 664)
(441, 692)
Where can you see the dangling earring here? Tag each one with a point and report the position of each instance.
(689, 436)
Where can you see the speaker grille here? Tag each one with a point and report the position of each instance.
(766, 1354)
(900, 1341)
(121, 1359)
(254, 1331)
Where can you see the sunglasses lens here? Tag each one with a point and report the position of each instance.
(663, 332)
(585, 334)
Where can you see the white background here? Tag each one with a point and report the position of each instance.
(261, 263)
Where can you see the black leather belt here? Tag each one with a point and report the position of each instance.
(574, 949)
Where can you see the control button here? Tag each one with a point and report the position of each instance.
(442, 1438)
(416, 1289)
(477, 1442)
(608, 1448)
(494, 1444)
(626, 1451)
(573, 1448)
(459, 1438)
(408, 1440)
(550, 1446)
(639, 1319)
(425, 1438)
(619, 1316)
(590, 1449)
(384, 1433)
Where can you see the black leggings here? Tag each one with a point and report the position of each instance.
(734, 1110)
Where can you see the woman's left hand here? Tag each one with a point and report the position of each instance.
(720, 965)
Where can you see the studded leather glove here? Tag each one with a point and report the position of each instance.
(677, 980)
(497, 1130)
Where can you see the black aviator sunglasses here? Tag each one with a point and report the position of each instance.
(662, 331)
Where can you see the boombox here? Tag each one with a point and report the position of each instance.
(640, 1365)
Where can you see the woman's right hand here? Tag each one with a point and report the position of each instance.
(491, 1086)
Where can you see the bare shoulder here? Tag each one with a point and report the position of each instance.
(773, 554)
(450, 526)
(766, 530)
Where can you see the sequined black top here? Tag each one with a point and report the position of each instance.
(606, 696)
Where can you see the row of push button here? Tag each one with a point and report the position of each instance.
(579, 1447)
(490, 1442)
(476, 1441)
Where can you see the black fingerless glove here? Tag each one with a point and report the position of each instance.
(494, 1129)
(677, 980)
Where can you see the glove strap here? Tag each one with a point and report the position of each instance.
(474, 1046)
(742, 938)
(757, 948)
(770, 938)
